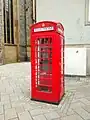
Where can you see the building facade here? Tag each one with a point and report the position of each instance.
(75, 17)
(16, 16)
(73, 14)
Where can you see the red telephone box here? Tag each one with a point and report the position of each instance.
(47, 61)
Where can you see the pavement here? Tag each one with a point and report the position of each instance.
(15, 102)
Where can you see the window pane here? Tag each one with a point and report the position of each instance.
(8, 21)
(87, 12)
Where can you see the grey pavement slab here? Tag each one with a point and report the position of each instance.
(83, 113)
(36, 112)
(1, 109)
(77, 104)
(14, 119)
(10, 113)
(39, 117)
(51, 115)
(70, 112)
(87, 108)
(19, 109)
(72, 117)
(7, 106)
(85, 101)
(2, 117)
(25, 116)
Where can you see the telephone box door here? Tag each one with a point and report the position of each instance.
(42, 66)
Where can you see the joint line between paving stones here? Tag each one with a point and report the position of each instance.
(13, 118)
(0, 96)
(83, 102)
(30, 114)
(78, 114)
(65, 104)
(10, 101)
(45, 117)
(69, 103)
(68, 99)
(64, 101)
(4, 112)
(85, 109)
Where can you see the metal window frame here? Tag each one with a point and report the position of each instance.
(34, 11)
(7, 8)
(87, 14)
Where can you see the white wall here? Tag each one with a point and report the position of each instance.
(88, 61)
(71, 13)
(75, 61)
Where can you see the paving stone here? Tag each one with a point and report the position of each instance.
(4, 97)
(14, 119)
(7, 106)
(84, 114)
(66, 106)
(20, 96)
(85, 101)
(75, 100)
(77, 104)
(70, 112)
(36, 112)
(78, 95)
(1, 109)
(88, 98)
(39, 117)
(52, 115)
(9, 90)
(19, 109)
(35, 104)
(5, 102)
(58, 119)
(47, 107)
(1, 117)
(61, 114)
(87, 108)
(13, 98)
(25, 116)
(46, 110)
(72, 117)
(27, 106)
(10, 113)
(17, 104)
(2, 89)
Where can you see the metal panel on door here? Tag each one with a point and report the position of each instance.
(43, 63)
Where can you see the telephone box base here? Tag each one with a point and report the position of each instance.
(55, 103)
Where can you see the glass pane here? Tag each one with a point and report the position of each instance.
(44, 63)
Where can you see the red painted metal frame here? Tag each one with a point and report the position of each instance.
(50, 89)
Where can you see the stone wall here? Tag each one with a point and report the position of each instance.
(10, 52)
(0, 20)
(5, 53)
(1, 34)
(24, 40)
